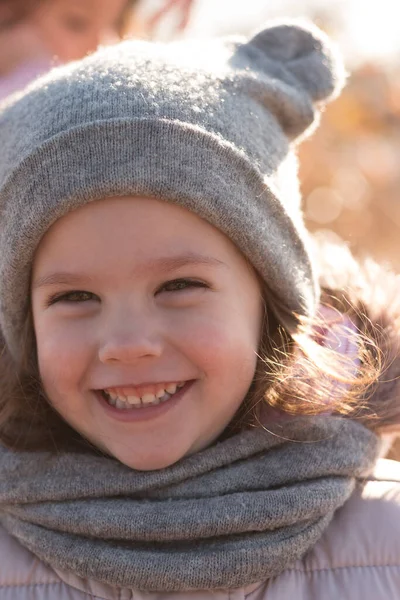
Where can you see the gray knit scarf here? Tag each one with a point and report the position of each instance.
(236, 513)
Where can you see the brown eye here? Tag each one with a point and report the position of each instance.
(78, 296)
(178, 285)
(73, 297)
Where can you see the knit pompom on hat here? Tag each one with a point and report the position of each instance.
(209, 125)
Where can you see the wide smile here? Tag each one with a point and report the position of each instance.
(133, 408)
(124, 399)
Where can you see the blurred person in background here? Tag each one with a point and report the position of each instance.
(34, 34)
(37, 34)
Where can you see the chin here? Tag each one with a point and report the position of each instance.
(150, 462)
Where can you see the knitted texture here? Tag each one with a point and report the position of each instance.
(237, 513)
(209, 125)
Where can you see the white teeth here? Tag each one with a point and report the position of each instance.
(133, 400)
(125, 402)
(120, 404)
(149, 398)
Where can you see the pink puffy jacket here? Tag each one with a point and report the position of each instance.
(357, 558)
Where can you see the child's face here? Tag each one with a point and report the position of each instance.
(134, 296)
(70, 29)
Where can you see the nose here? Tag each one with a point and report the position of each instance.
(93, 42)
(108, 37)
(130, 340)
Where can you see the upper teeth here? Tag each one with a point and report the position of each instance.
(163, 394)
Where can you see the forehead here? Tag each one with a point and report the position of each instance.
(131, 215)
(115, 230)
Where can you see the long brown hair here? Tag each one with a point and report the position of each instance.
(296, 375)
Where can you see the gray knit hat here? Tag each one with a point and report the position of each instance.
(211, 126)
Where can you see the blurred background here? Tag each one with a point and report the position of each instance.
(350, 168)
(349, 172)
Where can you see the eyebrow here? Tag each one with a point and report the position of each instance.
(163, 264)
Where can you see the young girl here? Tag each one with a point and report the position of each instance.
(179, 417)
(37, 34)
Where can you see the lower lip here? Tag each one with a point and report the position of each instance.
(133, 415)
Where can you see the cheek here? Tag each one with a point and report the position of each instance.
(231, 359)
(222, 347)
(62, 356)
(68, 47)
(64, 44)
